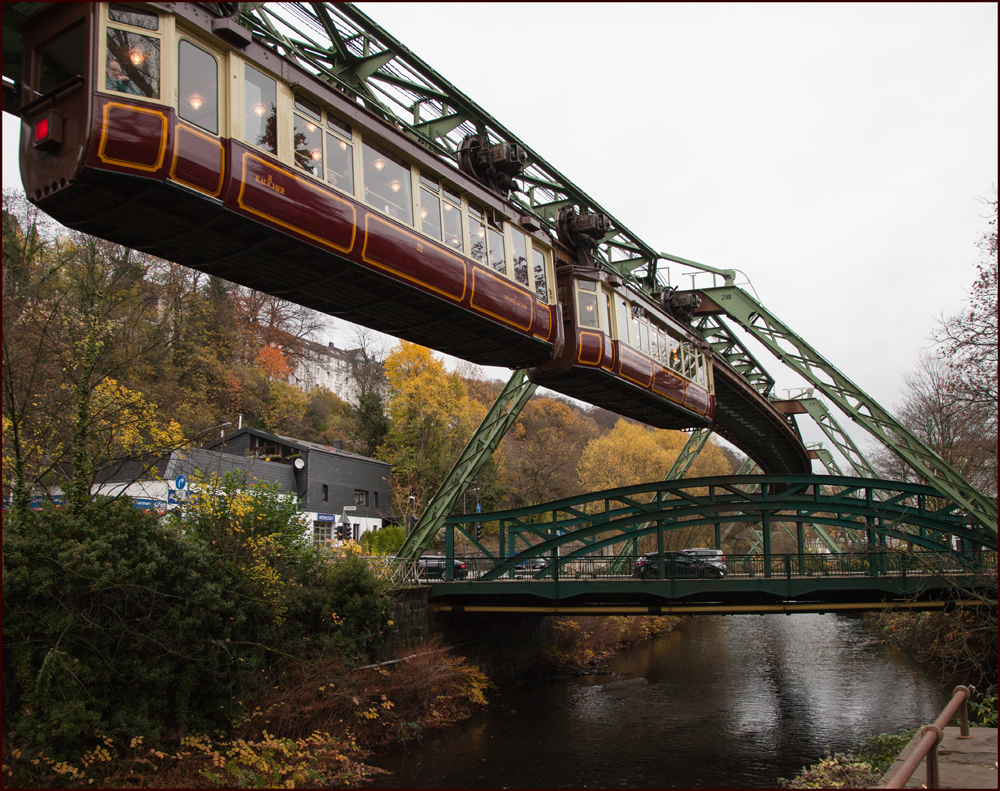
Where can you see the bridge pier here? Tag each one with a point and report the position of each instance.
(502, 645)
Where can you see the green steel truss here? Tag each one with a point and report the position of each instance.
(825, 458)
(841, 440)
(798, 355)
(341, 45)
(484, 441)
(580, 526)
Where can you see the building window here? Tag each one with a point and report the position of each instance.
(322, 531)
(360, 497)
(375, 499)
(326, 493)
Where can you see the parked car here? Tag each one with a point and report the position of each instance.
(713, 556)
(433, 567)
(675, 564)
(531, 565)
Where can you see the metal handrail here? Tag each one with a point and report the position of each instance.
(930, 738)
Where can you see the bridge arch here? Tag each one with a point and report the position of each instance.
(883, 510)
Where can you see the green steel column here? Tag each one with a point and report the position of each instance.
(484, 441)
(872, 548)
(718, 535)
(449, 552)
(800, 542)
(798, 355)
(765, 525)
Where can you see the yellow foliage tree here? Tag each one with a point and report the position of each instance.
(631, 454)
(431, 419)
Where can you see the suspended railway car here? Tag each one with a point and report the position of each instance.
(625, 352)
(166, 129)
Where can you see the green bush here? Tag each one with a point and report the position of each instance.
(386, 541)
(118, 625)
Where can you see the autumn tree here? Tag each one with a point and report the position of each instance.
(632, 454)
(368, 375)
(431, 419)
(968, 345)
(79, 321)
(543, 450)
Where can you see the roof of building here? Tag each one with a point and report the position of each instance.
(292, 442)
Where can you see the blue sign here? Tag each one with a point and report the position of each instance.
(479, 508)
(326, 517)
(181, 482)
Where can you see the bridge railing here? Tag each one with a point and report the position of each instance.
(883, 563)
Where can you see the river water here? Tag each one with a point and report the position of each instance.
(721, 702)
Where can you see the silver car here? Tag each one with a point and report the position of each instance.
(713, 556)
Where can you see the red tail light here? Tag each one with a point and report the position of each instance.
(48, 131)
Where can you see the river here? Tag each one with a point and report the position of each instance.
(721, 702)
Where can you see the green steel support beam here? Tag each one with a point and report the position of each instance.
(755, 535)
(798, 355)
(825, 458)
(841, 441)
(480, 447)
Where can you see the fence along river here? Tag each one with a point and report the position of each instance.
(721, 702)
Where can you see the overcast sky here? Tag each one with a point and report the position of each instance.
(835, 154)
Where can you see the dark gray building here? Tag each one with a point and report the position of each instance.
(332, 484)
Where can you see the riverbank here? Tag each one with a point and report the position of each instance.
(583, 644)
(316, 729)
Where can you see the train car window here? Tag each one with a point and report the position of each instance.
(133, 17)
(644, 337)
(61, 58)
(586, 295)
(452, 214)
(339, 154)
(541, 282)
(663, 346)
(519, 243)
(477, 233)
(261, 110)
(690, 363)
(497, 253)
(430, 213)
(307, 137)
(197, 86)
(607, 302)
(133, 64)
(674, 353)
(654, 344)
(633, 331)
(621, 307)
(387, 182)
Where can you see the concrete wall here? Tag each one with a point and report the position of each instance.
(504, 646)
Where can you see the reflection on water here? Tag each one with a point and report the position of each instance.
(722, 702)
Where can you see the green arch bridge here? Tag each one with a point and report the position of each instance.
(907, 547)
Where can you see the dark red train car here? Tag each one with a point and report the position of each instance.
(166, 129)
(625, 352)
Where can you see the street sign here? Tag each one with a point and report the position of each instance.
(181, 482)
